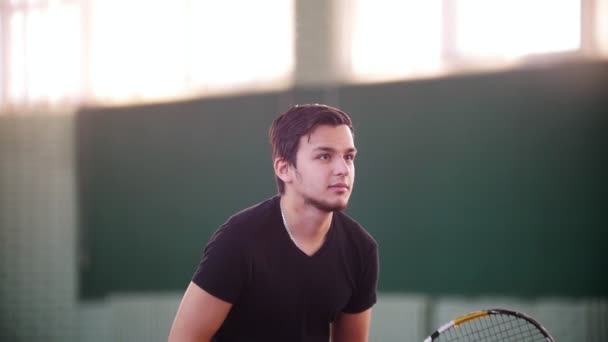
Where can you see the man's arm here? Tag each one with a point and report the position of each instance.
(351, 327)
(199, 316)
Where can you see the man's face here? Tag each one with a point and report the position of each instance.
(325, 171)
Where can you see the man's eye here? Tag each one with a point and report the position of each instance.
(324, 157)
(349, 157)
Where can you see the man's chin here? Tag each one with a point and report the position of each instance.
(328, 206)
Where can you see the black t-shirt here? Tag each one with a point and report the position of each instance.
(278, 292)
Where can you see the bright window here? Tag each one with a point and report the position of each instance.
(407, 39)
(71, 52)
(515, 28)
(255, 47)
(137, 50)
(394, 39)
(601, 26)
(43, 53)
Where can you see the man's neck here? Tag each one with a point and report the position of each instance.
(305, 222)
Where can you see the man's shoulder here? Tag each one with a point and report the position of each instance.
(244, 225)
(255, 214)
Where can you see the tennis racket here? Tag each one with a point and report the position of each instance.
(496, 325)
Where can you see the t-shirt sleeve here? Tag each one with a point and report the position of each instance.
(222, 271)
(364, 296)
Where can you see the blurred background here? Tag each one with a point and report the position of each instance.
(130, 131)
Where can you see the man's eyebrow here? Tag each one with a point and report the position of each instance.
(331, 149)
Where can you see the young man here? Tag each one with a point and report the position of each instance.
(294, 267)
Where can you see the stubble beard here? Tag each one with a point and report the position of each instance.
(324, 206)
(321, 205)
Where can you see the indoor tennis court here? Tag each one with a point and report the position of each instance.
(130, 131)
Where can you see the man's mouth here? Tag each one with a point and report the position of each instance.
(340, 186)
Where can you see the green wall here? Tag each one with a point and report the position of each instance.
(482, 184)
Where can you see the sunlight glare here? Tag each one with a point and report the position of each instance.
(509, 29)
(164, 49)
(601, 29)
(241, 42)
(392, 39)
(53, 53)
(17, 59)
(137, 50)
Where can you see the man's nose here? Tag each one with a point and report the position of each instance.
(342, 166)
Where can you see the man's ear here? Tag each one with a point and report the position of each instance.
(281, 169)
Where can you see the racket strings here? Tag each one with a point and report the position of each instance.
(494, 328)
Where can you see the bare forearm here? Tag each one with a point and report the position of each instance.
(177, 337)
(351, 327)
(193, 324)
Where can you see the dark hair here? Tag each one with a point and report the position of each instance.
(298, 121)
